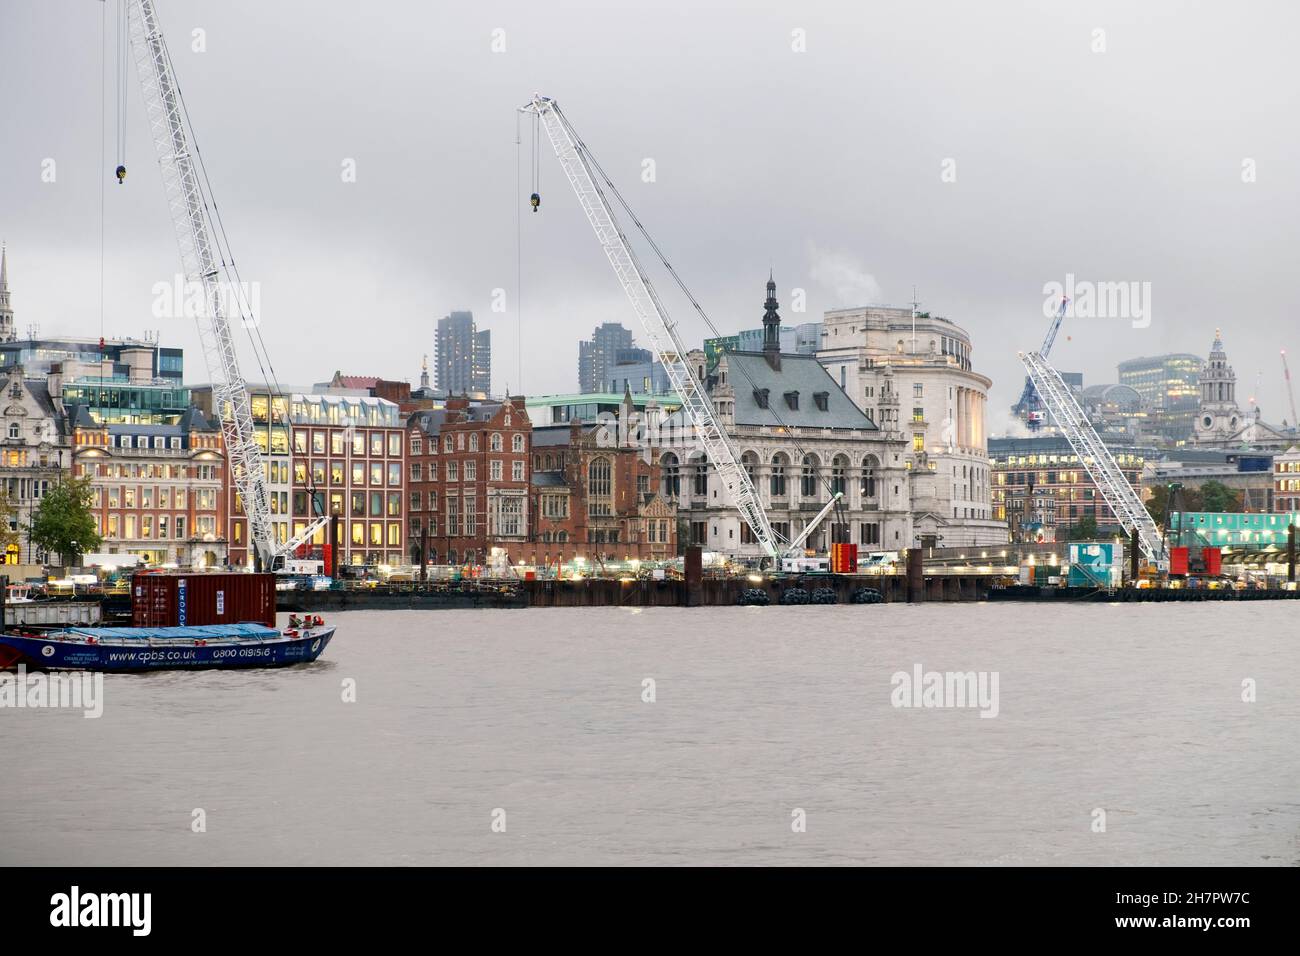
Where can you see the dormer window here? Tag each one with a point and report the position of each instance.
(792, 400)
(822, 399)
(760, 397)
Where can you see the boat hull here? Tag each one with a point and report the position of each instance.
(55, 653)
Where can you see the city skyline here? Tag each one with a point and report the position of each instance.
(1094, 184)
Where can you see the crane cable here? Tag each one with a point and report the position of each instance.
(230, 268)
(595, 164)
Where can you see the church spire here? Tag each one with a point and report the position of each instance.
(6, 310)
(771, 325)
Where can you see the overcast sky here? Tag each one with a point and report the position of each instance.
(827, 165)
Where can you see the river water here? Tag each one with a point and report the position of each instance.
(761, 718)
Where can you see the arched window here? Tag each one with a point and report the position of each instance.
(839, 475)
(672, 477)
(495, 443)
(808, 477)
(13, 430)
(777, 482)
(700, 479)
(868, 484)
(517, 443)
(598, 480)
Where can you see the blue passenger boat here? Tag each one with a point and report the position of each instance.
(165, 648)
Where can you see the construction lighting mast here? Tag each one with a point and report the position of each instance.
(1290, 392)
(191, 205)
(662, 330)
(1096, 457)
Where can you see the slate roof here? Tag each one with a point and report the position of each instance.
(749, 371)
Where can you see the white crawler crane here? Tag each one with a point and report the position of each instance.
(582, 172)
(201, 246)
(1096, 458)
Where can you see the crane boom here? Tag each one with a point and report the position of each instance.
(659, 327)
(189, 204)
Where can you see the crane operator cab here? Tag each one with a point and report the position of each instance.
(536, 200)
(121, 174)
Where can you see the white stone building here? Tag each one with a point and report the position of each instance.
(912, 374)
(801, 439)
(1220, 423)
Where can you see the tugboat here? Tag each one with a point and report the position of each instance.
(168, 648)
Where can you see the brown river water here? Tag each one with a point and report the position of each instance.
(773, 738)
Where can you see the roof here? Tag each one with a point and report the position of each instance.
(549, 479)
(356, 381)
(750, 372)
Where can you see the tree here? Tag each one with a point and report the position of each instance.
(63, 524)
(1085, 530)
(8, 514)
(1218, 498)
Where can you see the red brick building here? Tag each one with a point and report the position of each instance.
(597, 499)
(468, 480)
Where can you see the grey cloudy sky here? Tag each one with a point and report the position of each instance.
(1123, 165)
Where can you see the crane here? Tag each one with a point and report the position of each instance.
(581, 170)
(1095, 457)
(201, 245)
(1029, 402)
(1290, 392)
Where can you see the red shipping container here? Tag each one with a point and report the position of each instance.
(844, 558)
(1177, 560)
(184, 599)
(1213, 561)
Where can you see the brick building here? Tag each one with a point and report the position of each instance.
(597, 497)
(160, 491)
(468, 480)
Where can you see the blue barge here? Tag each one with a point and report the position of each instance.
(165, 648)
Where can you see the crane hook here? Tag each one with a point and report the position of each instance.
(121, 175)
(536, 200)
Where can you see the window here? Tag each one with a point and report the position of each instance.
(917, 390)
(471, 471)
(868, 482)
(358, 443)
(376, 450)
(453, 471)
(300, 442)
(599, 487)
(918, 441)
(517, 443)
(700, 480)
(417, 445)
(417, 501)
(358, 472)
(671, 476)
(417, 471)
(496, 443)
(776, 483)
(394, 444)
(318, 443)
(336, 443)
(808, 477)
(839, 475)
(473, 442)
(336, 473)
(517, 471)
(376, 472)
(918, 414)
(495, 468)
(13, 430)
